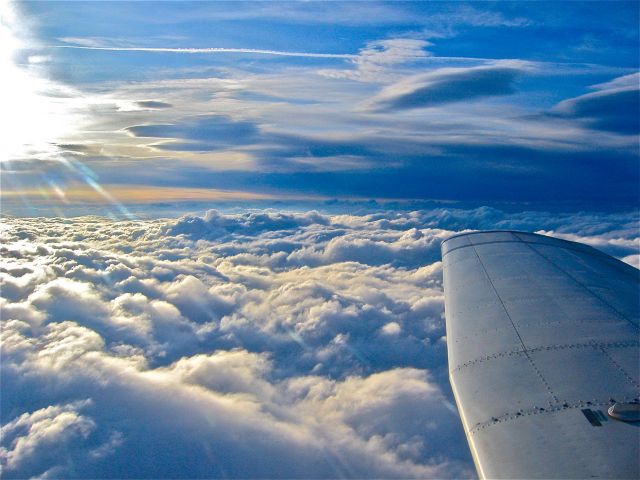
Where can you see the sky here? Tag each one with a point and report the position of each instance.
(486, 102)
(220, 223)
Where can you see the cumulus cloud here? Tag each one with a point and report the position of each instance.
(38, 439)
(255, 344)
(447, 85)
(214, 224)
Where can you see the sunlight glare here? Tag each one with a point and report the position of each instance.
(38, 111)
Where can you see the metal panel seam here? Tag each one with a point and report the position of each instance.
(565, 346)
(619, 367)
(535, 411)
(611, 307)
(531, 362)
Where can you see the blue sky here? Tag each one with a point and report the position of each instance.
(482, 102)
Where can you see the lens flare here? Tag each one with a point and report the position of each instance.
(40, 114)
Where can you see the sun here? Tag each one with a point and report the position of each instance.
(38, 112)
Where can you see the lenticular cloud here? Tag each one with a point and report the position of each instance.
(265, 344)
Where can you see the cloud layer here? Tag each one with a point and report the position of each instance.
(259, 344)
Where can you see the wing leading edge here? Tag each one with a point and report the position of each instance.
(542, 338)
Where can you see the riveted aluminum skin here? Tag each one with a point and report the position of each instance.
(542, 339)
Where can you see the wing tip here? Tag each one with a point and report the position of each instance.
(459, 240)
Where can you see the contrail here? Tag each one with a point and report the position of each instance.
(211, 50)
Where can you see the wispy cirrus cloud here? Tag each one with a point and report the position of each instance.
(212, 50)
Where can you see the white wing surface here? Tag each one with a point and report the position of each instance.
(542, 340)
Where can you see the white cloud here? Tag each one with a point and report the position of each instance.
(391, 328)
(376, 61)
(42, 436)
(311, 344)
(625, 82)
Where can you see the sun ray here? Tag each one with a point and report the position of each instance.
(43, 114)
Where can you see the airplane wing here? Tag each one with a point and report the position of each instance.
(543, 341)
